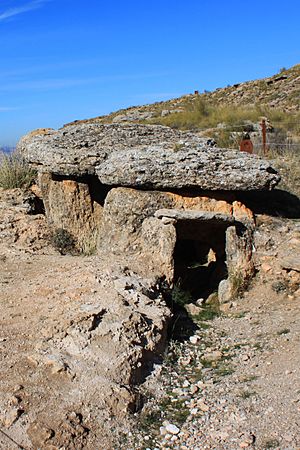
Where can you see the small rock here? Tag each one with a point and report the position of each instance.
(193, 389)
(203, 406)
(33, 360)
(247, 440)
(11, 416)
(56, 364)
(194, 339)
(200, 301)
(244, 444)
(162, 431)
(39, 434)
(172, 429)
(185, 361)
(213, 356)
(193, 309)
(15, 400)
(266, 267)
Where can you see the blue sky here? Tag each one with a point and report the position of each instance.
(62, 60)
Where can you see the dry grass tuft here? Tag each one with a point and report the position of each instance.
(15, 172)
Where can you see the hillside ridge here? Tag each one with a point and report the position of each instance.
(280, 92)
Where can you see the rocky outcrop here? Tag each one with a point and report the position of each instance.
(145, 156)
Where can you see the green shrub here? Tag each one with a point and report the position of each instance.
(180, 296)
(63, 241)
(15, 172)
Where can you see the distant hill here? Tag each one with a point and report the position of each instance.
(280, 92)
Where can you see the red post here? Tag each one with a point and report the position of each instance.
(264, 136)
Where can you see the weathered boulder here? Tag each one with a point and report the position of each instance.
(105, 345)
(146, 156)
(22, 226)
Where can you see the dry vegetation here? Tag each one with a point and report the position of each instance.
(15, 172)
(288, 164)
(200, 114)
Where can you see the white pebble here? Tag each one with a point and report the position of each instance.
(172, 428)
(194, 339)
(162, 431)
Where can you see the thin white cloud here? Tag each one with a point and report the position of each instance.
(7, 108)
(28, 67)
(59, 83)
(11, 12)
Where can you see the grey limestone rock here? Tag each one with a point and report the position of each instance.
(145, 156)
(77, 149)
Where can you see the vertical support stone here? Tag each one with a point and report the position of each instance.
(68, 205)
(240, 266)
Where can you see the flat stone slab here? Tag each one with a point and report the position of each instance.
(291, 263)
(145, 156)
(201, 216)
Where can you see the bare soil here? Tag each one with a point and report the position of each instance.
(237, 382)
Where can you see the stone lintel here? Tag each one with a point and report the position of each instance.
(201, 216)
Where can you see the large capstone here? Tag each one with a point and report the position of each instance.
(145, 156)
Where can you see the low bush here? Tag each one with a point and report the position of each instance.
(63, 241)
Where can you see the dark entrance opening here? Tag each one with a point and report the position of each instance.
(199, 257)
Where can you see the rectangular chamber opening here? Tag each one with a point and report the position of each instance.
(199, 257)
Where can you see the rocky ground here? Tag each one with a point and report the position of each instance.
(229, 380)
(235, 382)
